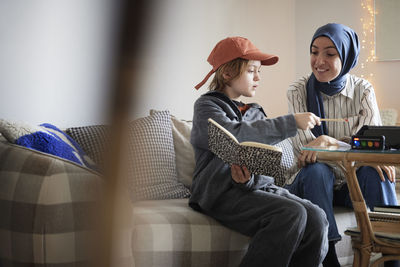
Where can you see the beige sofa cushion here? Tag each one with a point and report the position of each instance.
(169, 233)
(184, 153)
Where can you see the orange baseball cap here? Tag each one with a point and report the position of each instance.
(235, 47)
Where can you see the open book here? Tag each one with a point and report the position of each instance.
(259, 158)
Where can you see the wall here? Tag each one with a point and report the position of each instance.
(54, 55)
(54, 60)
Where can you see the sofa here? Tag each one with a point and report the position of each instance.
(49, 205)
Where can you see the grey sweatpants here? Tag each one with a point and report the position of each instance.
(285, 229)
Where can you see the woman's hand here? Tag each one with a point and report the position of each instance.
(306, 120)
(240, 175)
(308, 156)
(390, 172)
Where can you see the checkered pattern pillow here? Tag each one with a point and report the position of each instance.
(93, 139)
(287, 161)
(151, 155)
(184, 153)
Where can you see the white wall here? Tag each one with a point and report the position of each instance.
(54, 54)
(53, 60)
(311, 14)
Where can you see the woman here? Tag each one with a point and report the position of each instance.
(331, 92)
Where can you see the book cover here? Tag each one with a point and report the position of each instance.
(389, 236)
(388, 208)
(259, 158)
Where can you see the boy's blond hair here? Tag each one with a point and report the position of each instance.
(235, 68)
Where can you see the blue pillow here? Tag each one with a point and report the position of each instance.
(46, 138)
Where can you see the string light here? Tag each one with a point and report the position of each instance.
(367, 37)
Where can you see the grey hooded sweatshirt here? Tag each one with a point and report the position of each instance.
(212, 177)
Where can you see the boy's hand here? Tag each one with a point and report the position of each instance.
(240, 175)
(306, 120)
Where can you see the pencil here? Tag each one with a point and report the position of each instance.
(339, 120)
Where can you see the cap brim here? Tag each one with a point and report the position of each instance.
(265, 59)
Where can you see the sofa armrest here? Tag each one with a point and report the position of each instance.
(48, 209)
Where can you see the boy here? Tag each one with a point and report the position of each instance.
(285, 230)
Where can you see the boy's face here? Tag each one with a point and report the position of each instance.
(246, 84)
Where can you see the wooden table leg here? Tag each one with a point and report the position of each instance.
(365, 257)
(356, 259)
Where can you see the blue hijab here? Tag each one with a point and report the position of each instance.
(346, 43)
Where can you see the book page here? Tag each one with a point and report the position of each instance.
(342, 144)
(379, 216)
(261, 145)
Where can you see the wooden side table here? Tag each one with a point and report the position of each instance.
(373, 232)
